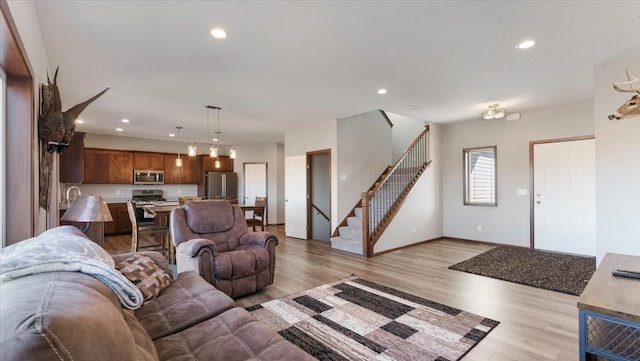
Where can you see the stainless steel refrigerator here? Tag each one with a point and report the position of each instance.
(221, 185)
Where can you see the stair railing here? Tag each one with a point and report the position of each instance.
(380, 204)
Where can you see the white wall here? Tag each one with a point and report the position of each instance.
(25, 16)
(310, 137)
(507, 223)
(420, 217)
(617, 161)
(263, 153)
(364, 151)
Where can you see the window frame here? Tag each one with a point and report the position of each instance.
(465, 176)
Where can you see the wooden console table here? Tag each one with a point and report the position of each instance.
(609, 312)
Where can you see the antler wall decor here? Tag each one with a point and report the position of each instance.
(631, 107)
(55, 130)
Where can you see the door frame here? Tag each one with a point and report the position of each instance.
(531, 179)
(309, 185)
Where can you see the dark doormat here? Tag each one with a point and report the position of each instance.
(552, 271)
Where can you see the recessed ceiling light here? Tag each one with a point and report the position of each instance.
(79, 121)
(219, 33)
(119, 129)
(412, 107)
(526, 44)
(125, 120)
(215, 139)
(382, 91)
(172, 135)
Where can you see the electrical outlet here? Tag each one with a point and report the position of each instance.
(179, 191)
(117, 192)
(414, 230)
(479, 228)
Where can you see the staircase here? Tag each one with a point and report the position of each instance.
(364, 225)
(350, 238)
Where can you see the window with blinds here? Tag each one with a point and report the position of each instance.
(480, 176)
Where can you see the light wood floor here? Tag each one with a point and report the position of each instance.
(535, 324)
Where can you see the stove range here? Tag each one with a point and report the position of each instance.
(146, 197)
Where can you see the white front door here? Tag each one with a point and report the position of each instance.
(295, 196)
(564, 197)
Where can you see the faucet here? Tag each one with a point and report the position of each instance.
(78, 192)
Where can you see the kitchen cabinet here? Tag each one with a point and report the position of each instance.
(207, 163)
(148, 161)
(72, 160)
(121, 221)
(189, 173)
(105, 166)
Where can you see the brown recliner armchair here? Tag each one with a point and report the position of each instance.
(212, 238)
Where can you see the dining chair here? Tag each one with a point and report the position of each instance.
(259, 215)
(139, 232)
(183, 200)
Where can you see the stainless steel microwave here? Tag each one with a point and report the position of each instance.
(144, 176)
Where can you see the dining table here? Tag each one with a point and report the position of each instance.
(161, 214)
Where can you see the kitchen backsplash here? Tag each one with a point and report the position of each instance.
(123, 191)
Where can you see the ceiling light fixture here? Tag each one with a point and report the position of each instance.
(119, 129)
(382, 91)
(79, 121)
(219, 33)
(172, 135)
(125, 120)
(494, 112)
(179, 160)
(526, 44)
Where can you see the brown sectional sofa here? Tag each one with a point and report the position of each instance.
(74, 316)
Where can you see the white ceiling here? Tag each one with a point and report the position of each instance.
(287, 63)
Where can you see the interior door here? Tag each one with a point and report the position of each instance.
(255, 183)
(295, 200)
(564, 196)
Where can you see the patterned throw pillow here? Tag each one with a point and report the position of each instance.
(146, 275)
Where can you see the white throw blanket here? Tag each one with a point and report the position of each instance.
(67, 249)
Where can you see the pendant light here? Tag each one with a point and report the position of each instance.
(178, 160)
(214, 149)
(192, 149)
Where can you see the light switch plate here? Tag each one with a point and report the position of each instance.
(522, 191)
(343, 177)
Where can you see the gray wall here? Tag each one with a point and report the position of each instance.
(507, 223)
(364, 150)
(310, 137)
(263, 153)
(405, 130)
(420, 217)
(617, 161)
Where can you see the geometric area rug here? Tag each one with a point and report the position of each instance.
(355, 319)
(542, 269)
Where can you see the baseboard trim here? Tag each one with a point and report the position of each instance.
(406, 246)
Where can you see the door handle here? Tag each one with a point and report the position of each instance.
(538, 202)
(538, 194)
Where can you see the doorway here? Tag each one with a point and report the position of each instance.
(319, 195)
(255, 184)
(563, 196)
